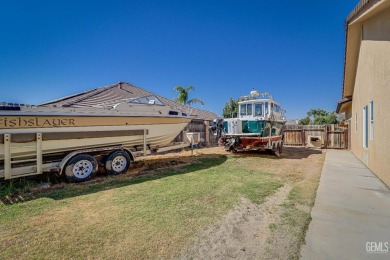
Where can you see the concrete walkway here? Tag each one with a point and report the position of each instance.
(352, 208)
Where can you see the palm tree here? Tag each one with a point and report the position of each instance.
(183, 96)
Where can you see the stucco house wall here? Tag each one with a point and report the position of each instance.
(372, 84)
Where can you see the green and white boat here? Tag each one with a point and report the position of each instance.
(258, 125)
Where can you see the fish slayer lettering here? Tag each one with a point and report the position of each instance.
(21, 122)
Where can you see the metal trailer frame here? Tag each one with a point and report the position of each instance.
(40, 166)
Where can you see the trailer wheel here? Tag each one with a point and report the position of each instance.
(117, 162)
(81, 168)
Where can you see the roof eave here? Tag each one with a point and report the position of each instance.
(364, 10)
(342, 103)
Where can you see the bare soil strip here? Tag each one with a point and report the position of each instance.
(242, 233)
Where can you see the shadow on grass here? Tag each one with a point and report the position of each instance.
(293, 152)
(289, 152)
(152, 172)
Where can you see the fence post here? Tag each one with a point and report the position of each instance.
(207, 133)
(326, 136)
(144, 143)
(333, 136)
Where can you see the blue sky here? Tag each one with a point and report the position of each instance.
(292, 49)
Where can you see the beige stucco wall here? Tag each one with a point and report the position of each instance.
(347, 108)
(373, 84)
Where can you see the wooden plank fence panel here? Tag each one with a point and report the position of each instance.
(293, 137)
(324, 136)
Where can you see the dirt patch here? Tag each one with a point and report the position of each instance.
(274, 229)
(242, 233)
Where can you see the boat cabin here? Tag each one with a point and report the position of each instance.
(254, 114)
(260, 107)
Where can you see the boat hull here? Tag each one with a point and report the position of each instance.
(252, 135)
(251, 143)
(13, 122)
(64, 134)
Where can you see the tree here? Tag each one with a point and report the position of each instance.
(319, 117)
(231, 109)
(305, 121)
(183, 96)
(317, 112)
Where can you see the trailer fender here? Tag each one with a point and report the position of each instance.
(130, 153)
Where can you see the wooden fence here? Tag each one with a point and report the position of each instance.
(202, 127)
(320, 136)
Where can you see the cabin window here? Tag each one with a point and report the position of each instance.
(252, 126)
(225, 127)
(283, 113)
(365, 127)
(276, 108)
(173, 113)
(249, 109)
(243, 110)
(372, 120)
(266, 108)
(11, 108)
(258, 109)
(246, 109)
(183, 114)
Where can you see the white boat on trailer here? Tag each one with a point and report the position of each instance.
(258, 125)
(74, 141)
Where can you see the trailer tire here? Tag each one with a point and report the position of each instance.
(117, 162)
(81, 167)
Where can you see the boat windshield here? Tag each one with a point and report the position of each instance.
(151, 100)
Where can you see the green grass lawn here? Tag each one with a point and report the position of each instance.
(133, 217)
